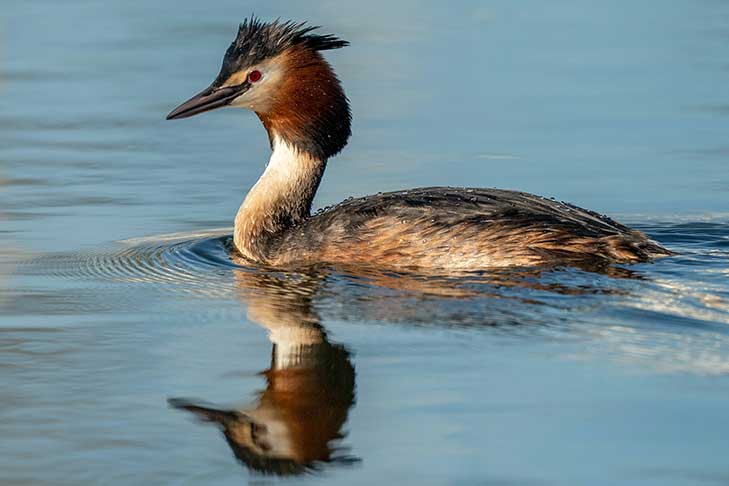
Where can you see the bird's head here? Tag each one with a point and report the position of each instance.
(276, 70)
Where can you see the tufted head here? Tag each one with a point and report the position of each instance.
(276, 70)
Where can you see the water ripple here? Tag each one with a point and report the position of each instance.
(690, 287)
(193, 263)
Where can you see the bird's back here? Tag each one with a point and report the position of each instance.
(461, 228)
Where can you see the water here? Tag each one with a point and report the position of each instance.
(124, 321)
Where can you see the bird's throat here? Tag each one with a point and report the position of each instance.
(280, 199)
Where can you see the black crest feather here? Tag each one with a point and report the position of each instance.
(258, 40)
(319, 119)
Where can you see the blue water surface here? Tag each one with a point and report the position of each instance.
(135, 350)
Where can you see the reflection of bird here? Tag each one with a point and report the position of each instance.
(297, 420)
(276, 70)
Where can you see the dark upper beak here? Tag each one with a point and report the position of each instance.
(207, 100)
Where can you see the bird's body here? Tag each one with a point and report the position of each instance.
(276, 70)
(460, 228)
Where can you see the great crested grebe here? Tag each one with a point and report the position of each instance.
(276, 70)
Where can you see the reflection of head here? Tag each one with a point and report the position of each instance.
(296, 421)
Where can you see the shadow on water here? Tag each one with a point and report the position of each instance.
(296, 423)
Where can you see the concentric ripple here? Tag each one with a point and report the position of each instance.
(193, 260)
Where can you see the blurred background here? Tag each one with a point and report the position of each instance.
(621, 107)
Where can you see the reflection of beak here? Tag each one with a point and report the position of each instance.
(207, 100)
(209, 414)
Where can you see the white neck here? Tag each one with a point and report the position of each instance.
(281, 198)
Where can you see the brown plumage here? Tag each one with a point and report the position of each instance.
(444, 227)
(277, 71)
(309, 105)
(296, 423)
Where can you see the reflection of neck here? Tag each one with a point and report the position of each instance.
(292, 324)
(293, 344)
(281, 198)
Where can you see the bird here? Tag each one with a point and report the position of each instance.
(276, 69)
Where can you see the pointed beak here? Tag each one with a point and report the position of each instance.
(207, 100)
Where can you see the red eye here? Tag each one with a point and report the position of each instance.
(254, 76)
